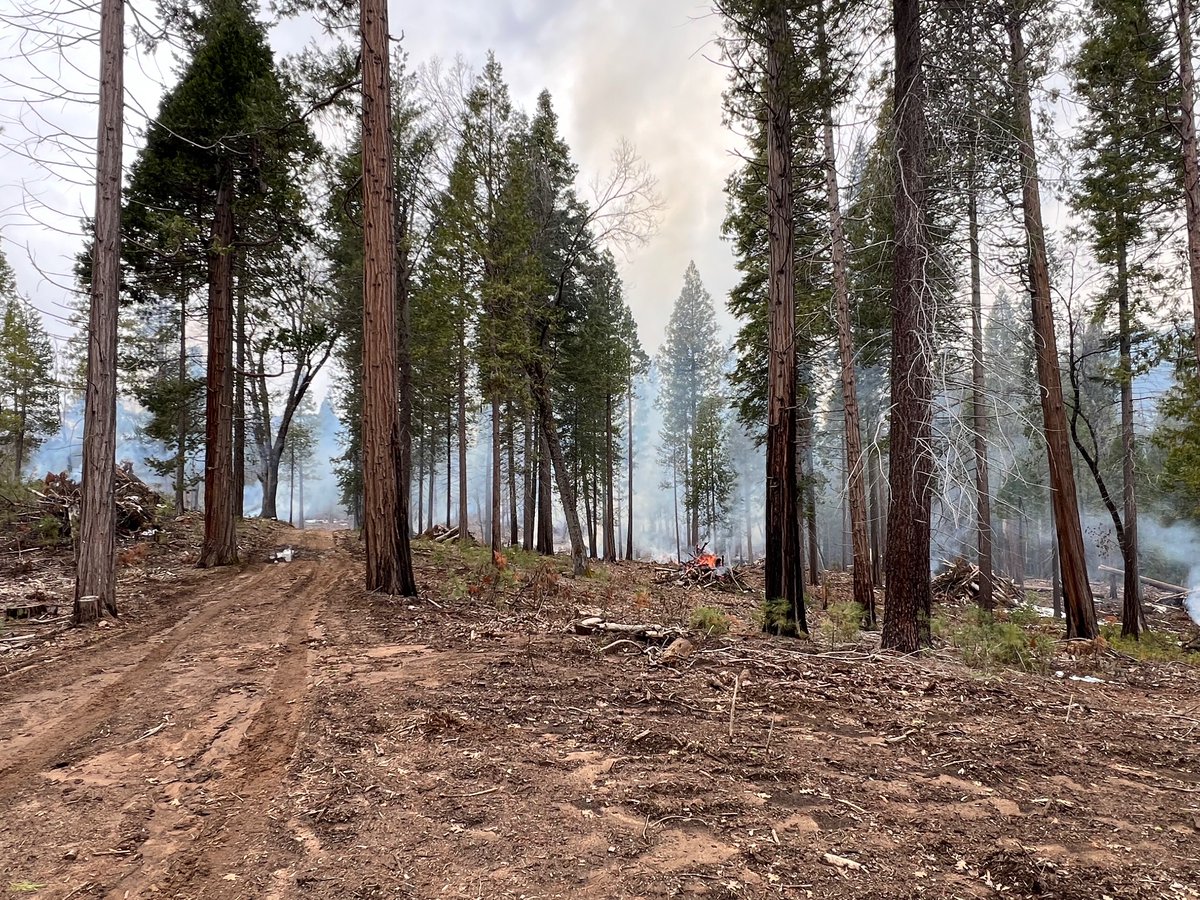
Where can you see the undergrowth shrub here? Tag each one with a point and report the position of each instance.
(842, 622)
(987, 643)
(710, 620)
(1153, 646)
(772, 616)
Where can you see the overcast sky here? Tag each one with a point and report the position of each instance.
(638, 69)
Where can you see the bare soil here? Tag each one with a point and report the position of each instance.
(272, 732)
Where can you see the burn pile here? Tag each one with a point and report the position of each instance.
(59, 498)
(961, 580)
(704, 569)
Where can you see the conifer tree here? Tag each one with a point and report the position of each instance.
(29, 410)
(1128, 162)
(690, 361)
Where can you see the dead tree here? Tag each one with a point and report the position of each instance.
(856, 476)
(1077, 594)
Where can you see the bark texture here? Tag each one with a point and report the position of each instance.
(1191, 167)
(784, 570)
(979, 414)
(95, 574)
(906, 616)
(1077, 594)
(864, 590)
(220, 521)
(385, 515)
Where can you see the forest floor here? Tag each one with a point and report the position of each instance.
(272, 731)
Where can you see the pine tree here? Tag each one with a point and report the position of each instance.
(29, 411)
(689, 361)
(1127, 179)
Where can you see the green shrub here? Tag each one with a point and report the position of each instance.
(986, 643)
(710, 620)
(1024, 615)
(773, 617)
(842, 623)
(1152, 646)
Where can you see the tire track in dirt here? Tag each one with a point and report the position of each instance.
(236, 843)
(85, 717)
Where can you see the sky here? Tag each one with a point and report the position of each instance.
(642, 70)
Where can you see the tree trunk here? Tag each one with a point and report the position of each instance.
(906, 615)
(420, 486)
(545, 515)
(292, 486)
(864, 593)
(181, 419)
(239, 394)
(810, 517)
(496, 479)
(449, 462)
(1080, 608)
(95, 571)
(432, 479)
(385, 515)
(1055, 579)
(539, 382)
(300, 499)
(1132, 614)
(675, 497)
(529, 496)
(1191, 168)
(463, 520)
(979, 417)
(610, 500)
(784, 572)
(629, 469)
(220, 525)
(513, 537)
(877, 514)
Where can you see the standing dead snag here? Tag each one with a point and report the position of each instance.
(856, 475)
(95, 585)
(906, 617)
(1077, 592)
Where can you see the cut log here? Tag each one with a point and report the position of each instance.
(1153, 582)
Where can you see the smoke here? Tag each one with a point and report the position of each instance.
(1192, 601)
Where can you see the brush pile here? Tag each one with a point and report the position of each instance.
(960, 582)
(57, 501)
(703, 570)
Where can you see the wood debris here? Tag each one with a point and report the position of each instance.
(961, 581)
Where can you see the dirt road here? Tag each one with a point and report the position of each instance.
(274, 733)
(147, 762)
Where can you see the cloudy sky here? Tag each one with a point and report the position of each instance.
(635, 69)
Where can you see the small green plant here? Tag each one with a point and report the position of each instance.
(709, 620)
(49, 529)
(842, 622)
(773, 617)
(986, 643)
(1024, 615)
(1151, 646)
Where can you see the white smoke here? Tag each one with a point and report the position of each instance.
(1192, 601)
